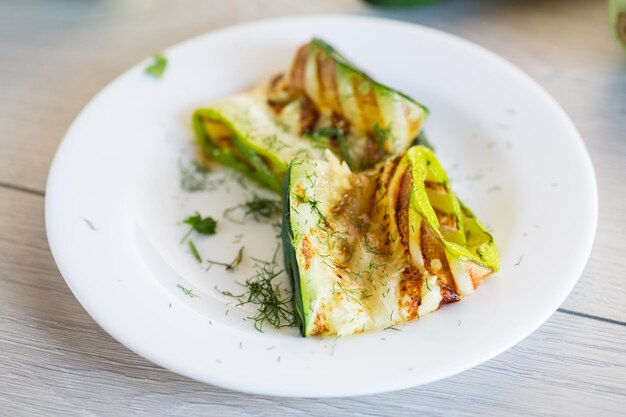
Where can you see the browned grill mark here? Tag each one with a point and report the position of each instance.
(308, 115)
(327, 78)
(446, 220)
(438, 187)
(341, 206)
(300, 193)
(276, 105)
(319, 324)
(373, 152)
(297, 70)
(307, 251)
(366, 102)
(433, 250)
(339, 122)
(477, 273)
(392, 170)
(410, 291)
(277, 95)
(276, 79)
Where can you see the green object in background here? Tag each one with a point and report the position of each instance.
(617, 19)
(157, 68)
(399, 3)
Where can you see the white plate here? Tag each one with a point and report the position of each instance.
(513, 154)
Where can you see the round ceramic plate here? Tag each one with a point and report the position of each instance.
(114, 206)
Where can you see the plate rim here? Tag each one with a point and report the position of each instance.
(133, 345)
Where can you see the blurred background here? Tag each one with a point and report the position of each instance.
(63, 51)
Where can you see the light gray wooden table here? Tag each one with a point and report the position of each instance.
(54, 360)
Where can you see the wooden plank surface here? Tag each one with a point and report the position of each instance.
(54, 360)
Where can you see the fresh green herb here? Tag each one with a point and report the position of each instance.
(204, 226)
(227, 293)
(272, 306)
(324, 138)
(231, 266)
(353, 294)
(365, 228)
(194, 251)
(392, 327)
(259, 208)
(157, 68)
(381, 135)
(315, 208)
(188, 292)
(89, 223)
(345, 150)
(325, 133)
(520, 260)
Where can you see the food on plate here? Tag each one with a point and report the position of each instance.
(322, 101)
(372, 233)
(372, 249)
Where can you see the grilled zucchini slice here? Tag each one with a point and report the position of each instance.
(321, 102)
(372, 249)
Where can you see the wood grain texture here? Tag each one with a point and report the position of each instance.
(54, 360)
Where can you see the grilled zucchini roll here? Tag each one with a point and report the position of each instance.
(372, 249)
(321, 102)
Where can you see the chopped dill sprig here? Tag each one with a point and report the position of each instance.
(194, 251)
(520, 260)
(315, 208)
(332, 137)
(365, 228)
(227, 293)
(231, 267)
(381, 135)
(259, 208)
(392, 327)
(325, 137)
(89, 223)
(327, 132)
(272, 306)
(188, 292)
(204, 226)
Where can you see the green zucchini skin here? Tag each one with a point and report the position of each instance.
(338, 87)
(422, 139)
(223, 156)
(369, 250)
(293, 116)
(291, 264)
